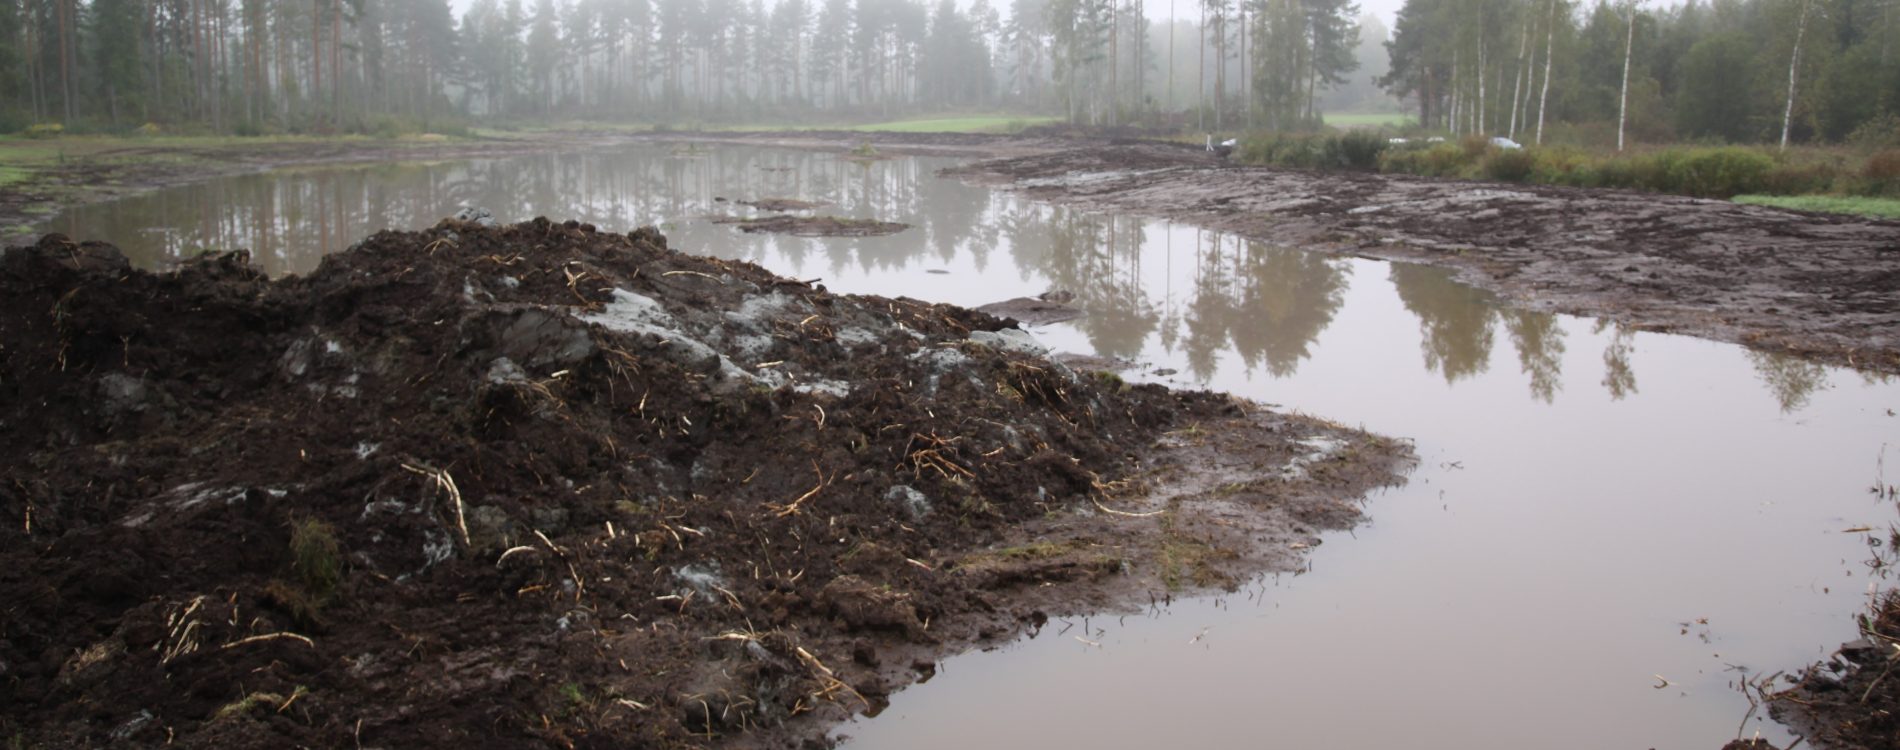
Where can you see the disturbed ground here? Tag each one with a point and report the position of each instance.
(1817, 285)
(540, 485)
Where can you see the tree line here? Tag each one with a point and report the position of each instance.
(1736, 70)
(328, 65)
(1618, 70)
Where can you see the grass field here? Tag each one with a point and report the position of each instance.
(1369, 120)
(1880, 208)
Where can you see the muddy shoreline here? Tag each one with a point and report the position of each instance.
(542, 485)
(1821, 286)
(135, 168)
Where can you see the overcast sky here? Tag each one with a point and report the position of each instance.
(1386, 9)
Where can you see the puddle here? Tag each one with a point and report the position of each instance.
(1595, 507)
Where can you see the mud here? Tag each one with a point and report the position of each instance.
(540, 485)
(1035, 311)
(1822, 286)
(781, 205)
(1850, 701)
(814, 226)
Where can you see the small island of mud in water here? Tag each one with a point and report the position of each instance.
(544, 486)
(815, 226)
(783, 204)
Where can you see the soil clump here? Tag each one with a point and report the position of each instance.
(540, 485)
(1816, 285)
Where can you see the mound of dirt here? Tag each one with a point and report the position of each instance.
(539, 485)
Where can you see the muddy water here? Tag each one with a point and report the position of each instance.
(1607, 529)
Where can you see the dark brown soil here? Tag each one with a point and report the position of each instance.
(815, 226)
(1852, 700)
(543, 486)
(1823, 286)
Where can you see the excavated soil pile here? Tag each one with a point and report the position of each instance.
(529, 485)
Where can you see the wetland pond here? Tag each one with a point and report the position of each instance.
(1606, 531)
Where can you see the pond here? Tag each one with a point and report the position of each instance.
(1608, 529)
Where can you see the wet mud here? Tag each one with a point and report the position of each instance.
(541, 485)
(1821, 286)
(782, 205)
(1035, 311)
(814, 226)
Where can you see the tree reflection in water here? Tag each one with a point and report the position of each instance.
(1197, 295)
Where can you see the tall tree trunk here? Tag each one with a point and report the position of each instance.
(1480, 124)
(1623, 102)
(1543, 99)
(336, 56)
(63, 12)
(1794, 63)
(316, 61)
(1200, 87)
(1517, 90)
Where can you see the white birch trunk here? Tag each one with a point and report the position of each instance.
(1623, 104)
(1452, 122)
(1787, 114)
(1517, 90)
(1479, 123)
(1543, 100)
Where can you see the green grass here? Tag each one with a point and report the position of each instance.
(1369, 120)
(1879, 208)
(10, 175)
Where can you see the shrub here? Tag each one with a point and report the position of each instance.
(148, 129)
(1794, 179)
(1510, 165)
(46, 130)
(1881, 174)
(1357, 150)
(1715, 172)
(315, 556)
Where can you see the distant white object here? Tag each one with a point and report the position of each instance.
(1435, 139)
(1396, 141)
(1223, 148)
(1504, 143)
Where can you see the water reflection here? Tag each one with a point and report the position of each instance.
(1792, 380)
(1154, 291)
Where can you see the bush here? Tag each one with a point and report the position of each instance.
(1714, 172)
(315, 556)
(1510, 165)
(1881, 174)
(1355, 150)
(1438, 160)
(46, 130)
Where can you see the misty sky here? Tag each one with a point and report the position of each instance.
(1386, 9)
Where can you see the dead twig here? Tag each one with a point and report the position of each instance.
(447, 484)
(269, 637)
(795, 506)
